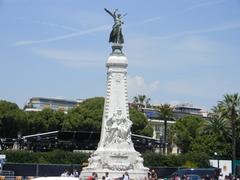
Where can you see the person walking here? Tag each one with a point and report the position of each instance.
(126, 176)
(107, 176)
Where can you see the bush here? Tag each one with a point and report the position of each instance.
(188, 160)
(53, 157)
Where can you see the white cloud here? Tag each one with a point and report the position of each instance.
(177, 53)
(71, 58)
(204, 4)
(50, 24)
(224, 27)
(196, 44)
(137, 85)
(196, 6)
(199, 87)
(66, 36)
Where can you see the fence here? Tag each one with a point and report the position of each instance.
(42, 170)
(8, 175)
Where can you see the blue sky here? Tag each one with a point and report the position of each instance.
(179, 51)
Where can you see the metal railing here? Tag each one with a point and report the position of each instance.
(9, 175)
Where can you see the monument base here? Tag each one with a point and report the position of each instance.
(116, 162)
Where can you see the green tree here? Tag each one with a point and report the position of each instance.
(140, 123)
(188, 160)
(209, 144)
(229, 108)
(167, 114)
(214, 136)
(86, 117)
(141, 101)
(12, 120)
(45, 120)
(184, 131)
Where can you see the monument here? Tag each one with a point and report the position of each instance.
(115, 153)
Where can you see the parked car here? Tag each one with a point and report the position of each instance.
(201, 172)
(192, 177)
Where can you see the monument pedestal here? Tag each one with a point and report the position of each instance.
(115, 153)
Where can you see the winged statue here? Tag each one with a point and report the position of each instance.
(116, 33)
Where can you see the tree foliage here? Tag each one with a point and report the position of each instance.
(141, 101)
(44, 121)
(184, 131)
(140, 123)
(218, 133)
(12, 120)
(229, 109)
(187, 160)
(86, 117)
(167, 114)
(52, 157)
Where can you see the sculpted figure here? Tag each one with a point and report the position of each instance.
(118, 129)
(116, 33)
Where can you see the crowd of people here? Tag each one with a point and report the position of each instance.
(66, 173)
(94, 176)
(206, 177)
(152, 175)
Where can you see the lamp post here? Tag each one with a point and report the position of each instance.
(216, 154)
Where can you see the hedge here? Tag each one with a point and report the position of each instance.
(52, 157)
(151, 159)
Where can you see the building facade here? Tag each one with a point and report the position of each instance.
(40, 103)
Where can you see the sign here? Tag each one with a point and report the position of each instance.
(2, 156)
(224, 165)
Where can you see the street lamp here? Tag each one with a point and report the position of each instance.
(216, 154)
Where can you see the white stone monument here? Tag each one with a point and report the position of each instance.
(115, 153)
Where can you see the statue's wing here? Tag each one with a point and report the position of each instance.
(109, 12)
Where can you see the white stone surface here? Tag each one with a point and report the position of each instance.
(115, 153)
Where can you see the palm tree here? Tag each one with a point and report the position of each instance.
(141, 101)
(216, 124)
(217, 127)
(229, 109)
(166, 113)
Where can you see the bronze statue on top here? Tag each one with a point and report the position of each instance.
(116, 33)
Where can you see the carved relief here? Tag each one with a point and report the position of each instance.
(119, 167)
(94, 161)
(117, 129)
(139, 163)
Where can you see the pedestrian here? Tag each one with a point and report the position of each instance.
(65, 173)
(153, 175)
(92, 177)
(126, 176)
(220, 177)
(75, 173)
(176, 177)
(107, 176)
(95, 176)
